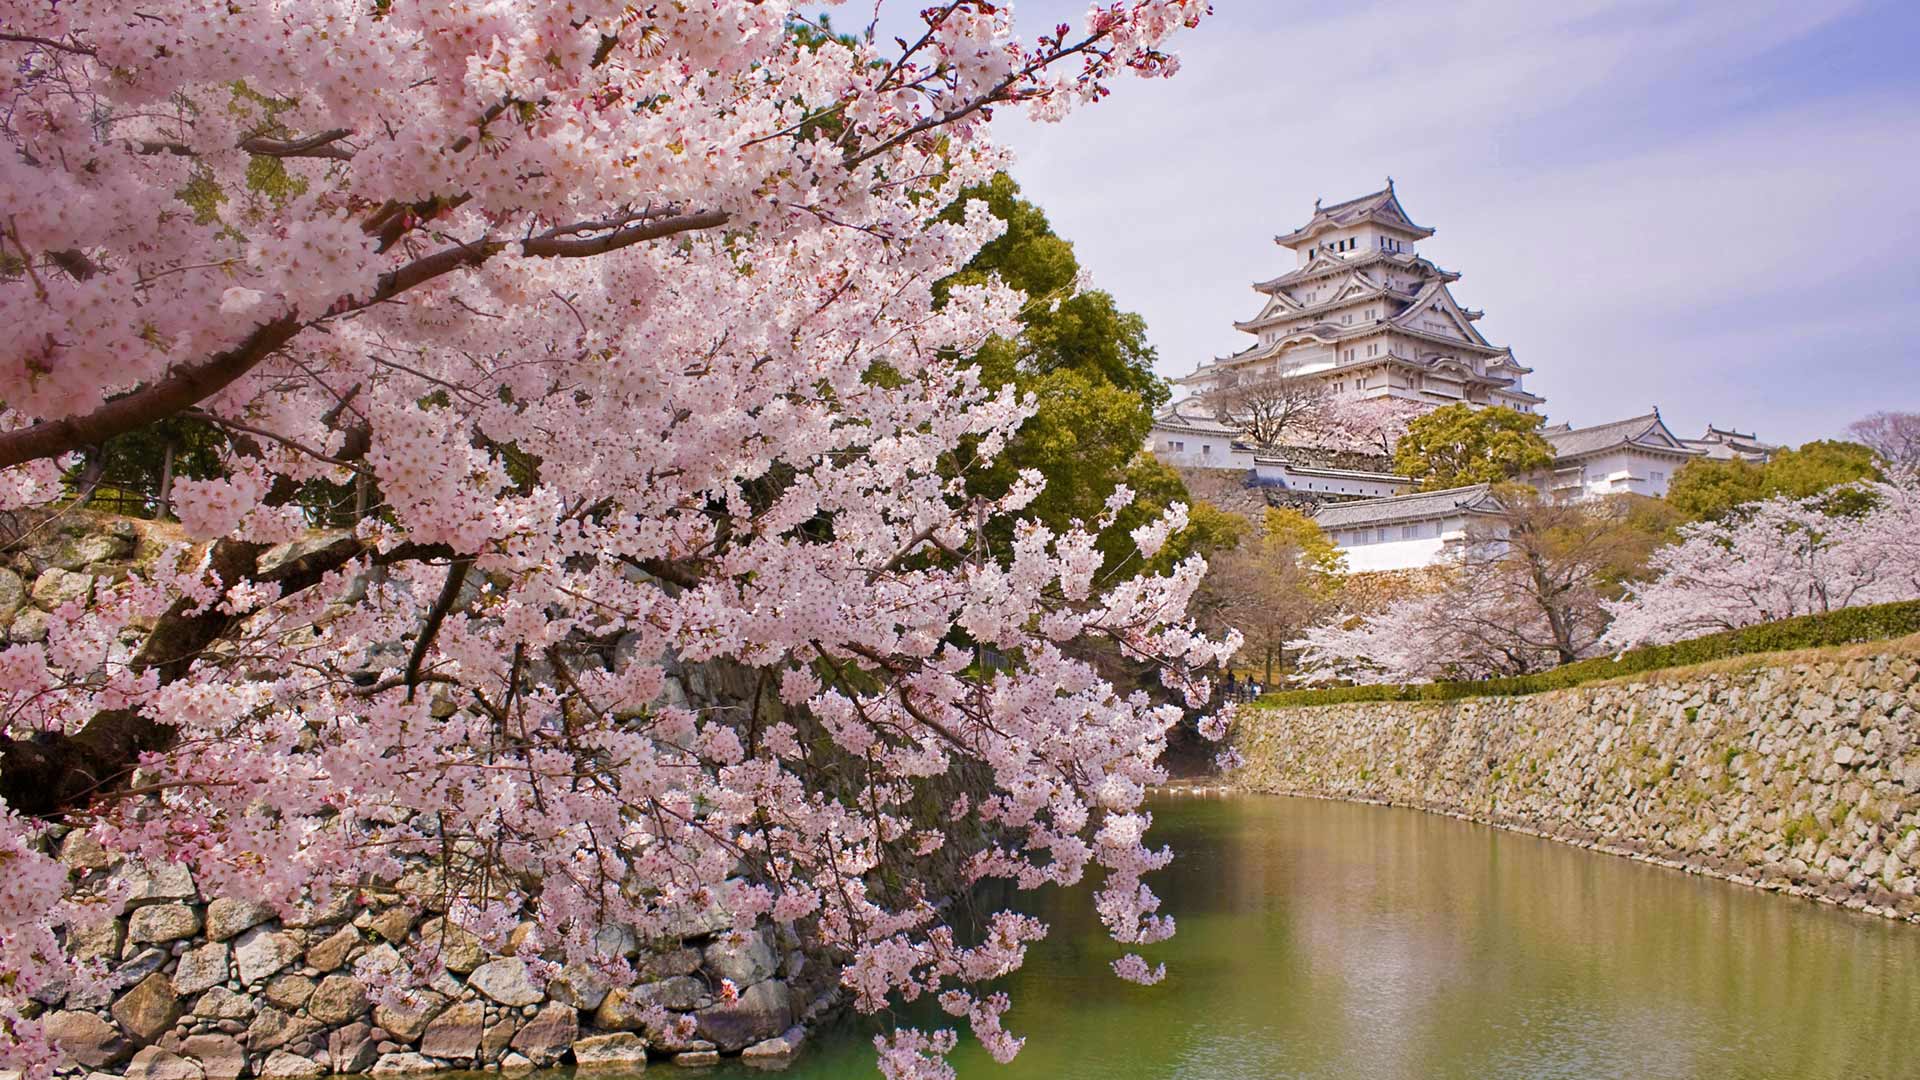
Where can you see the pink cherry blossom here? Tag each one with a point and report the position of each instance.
(625, 317)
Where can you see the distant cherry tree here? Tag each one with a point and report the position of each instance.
(622, 318)
(1895, 436)
(1776, 559)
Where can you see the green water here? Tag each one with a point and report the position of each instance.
(1326, 940)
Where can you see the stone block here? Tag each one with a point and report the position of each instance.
(404, 1064)
(506, 981)
(334, 950)
(272, 1029)
(338, 999)
(622, 1009)
(149, 1009)
(29, 625)
(579, 986)
(496, 1037)
(779, 1048)
(229, 918)
(220, 1056)
(85, 1038)
(78, 849)
(154, 1063)
(99, 941)
(762, 1011)
(407, 1020)
(351, 1049)
(288, 990)
(697, 1059)
(161, 923)
(220, 1003)
(545, 1037)
(744, 958)
(281, 1065)
(201, 969)
(620, 1050)
(455, 1033)
(55, 587)
(668, 963)
(393, 923)
(154, 883)
(260, 952)
(459, 948)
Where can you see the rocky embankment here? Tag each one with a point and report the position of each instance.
(219, 989)
(1796, 772)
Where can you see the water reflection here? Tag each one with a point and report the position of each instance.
(1324, 940)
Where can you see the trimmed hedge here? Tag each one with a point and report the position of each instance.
(1844, 627)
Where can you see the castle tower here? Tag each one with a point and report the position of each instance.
(1363, 312)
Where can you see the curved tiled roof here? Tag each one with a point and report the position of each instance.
(1380, 207)
(1425, 505)
(1646, 431)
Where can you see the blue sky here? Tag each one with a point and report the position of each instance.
(1709, 207)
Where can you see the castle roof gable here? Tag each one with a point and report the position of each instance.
(1379, 208)
(1647, 431)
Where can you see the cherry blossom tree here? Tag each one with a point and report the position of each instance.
(1522, 592)
(1287, 408)
(623, 315)
(1895, 436)
(1776, 559)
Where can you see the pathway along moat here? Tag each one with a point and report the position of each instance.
(1320, 939)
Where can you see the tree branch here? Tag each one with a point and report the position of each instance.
(449, 593)
(183, 389)
(315, 145)
(188, 386)
(29, 39)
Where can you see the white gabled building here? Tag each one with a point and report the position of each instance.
(1362, 311)
(1723, 444)
(1408, 532)
(1635, 456)
(1187, 434)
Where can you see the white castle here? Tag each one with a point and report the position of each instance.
(1365, 315)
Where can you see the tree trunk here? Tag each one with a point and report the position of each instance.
(164, 507)
(90, 477)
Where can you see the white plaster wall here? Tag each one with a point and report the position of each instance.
(1200, 451)
(1628, 471)
(1394, 554)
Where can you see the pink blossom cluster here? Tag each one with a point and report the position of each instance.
(625, 314)
(1776, 559)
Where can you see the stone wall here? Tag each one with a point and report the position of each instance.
(1796, 772)
(200, 989)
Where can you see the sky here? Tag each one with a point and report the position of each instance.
(1709, 207)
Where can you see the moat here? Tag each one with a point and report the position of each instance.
(1331, 940)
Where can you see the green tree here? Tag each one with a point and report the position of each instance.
(1090, 369)
(1706, 489)
(1460, 444)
